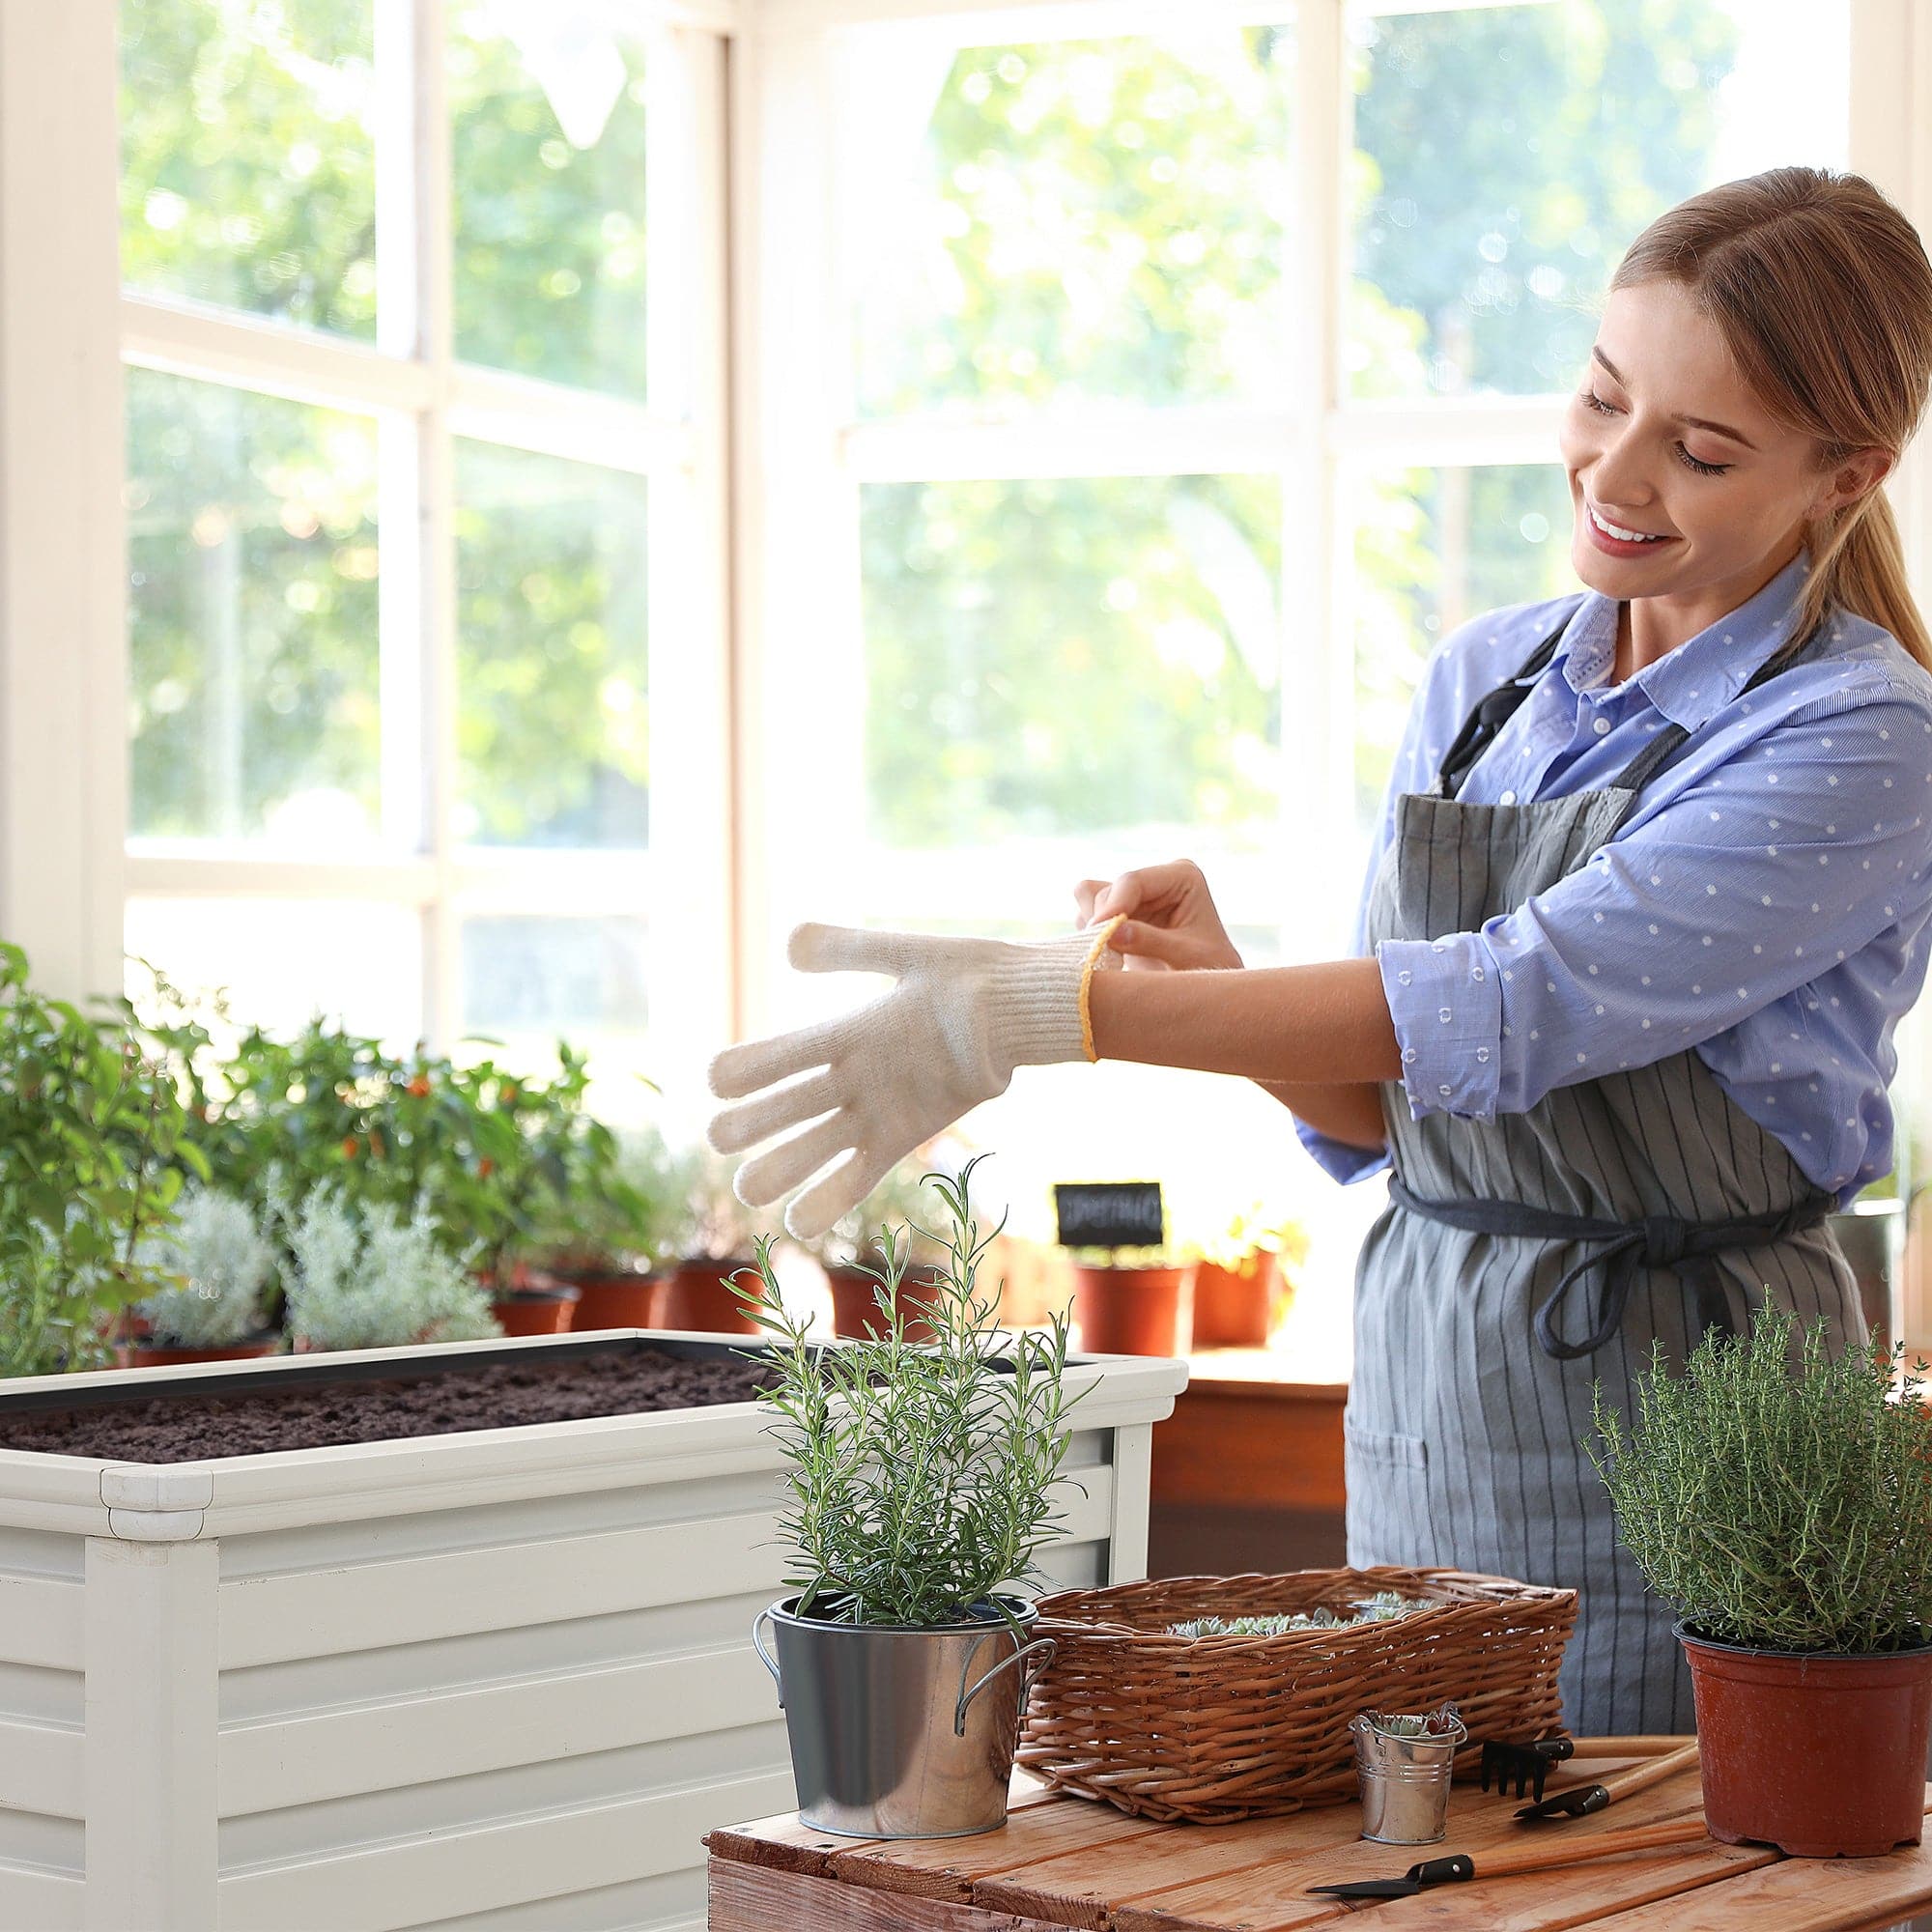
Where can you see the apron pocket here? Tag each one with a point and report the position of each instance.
(1402, 1452)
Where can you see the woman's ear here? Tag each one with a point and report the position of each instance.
(1856, 476)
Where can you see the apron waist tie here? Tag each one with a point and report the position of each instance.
(1687, 1248)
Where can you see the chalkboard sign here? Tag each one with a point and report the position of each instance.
(1108, 1213)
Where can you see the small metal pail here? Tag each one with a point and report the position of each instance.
(1405, 1783)
(902, 1733)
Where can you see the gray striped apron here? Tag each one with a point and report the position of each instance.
(1524, 1259)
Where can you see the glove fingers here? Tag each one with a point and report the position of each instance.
(733, 1130)
(841, 1190)
(780, 1170)
(849, 948)
(763, 1063)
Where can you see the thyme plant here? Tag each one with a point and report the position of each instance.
(921, 1474)
(1780, 1498)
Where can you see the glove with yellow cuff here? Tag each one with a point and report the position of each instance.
(964, 1014)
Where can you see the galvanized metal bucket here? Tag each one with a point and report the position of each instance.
(1405, 1782)
(902, 1733)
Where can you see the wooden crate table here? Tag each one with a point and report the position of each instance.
(1067, 1861)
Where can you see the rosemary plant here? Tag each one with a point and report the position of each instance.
(921, 1474)
(1780, 1498)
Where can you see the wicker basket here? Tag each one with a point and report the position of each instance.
(1212, 1729)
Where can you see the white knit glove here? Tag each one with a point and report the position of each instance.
(964, 1014)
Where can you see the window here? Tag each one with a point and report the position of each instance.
(423, 313)
(1157, 481)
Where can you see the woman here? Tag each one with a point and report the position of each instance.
(1647, 900)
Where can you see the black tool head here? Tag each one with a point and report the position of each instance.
(1528, 1764)
(1418, 1878)
(1577, 1803)
(1370, 1887)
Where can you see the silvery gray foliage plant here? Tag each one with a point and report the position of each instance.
(224, 1262)
(920, 1475)
(1384, 1606)
(365, 1277)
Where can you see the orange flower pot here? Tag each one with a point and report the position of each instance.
(1237, 1308)
(619, 1298)
(534, 1311)
(855, 1304)
(1130, 1311)
(1821, 1755)
(697, 1297)
(156, 1355)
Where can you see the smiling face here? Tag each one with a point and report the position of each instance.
(1663, 440)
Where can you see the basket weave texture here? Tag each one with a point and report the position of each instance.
(1207, 1731)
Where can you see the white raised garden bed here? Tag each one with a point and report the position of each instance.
(490, 1682)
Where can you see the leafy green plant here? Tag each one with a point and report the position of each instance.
(622, 1201)
(91, 1160)
(1779, 1497)
(922, 1475)
(221, 1263)
(706, 1220)
(361, 1275)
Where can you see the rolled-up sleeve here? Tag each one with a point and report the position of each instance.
(1445, 998)
(1746, 887)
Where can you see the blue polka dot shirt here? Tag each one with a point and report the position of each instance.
(1765, 904)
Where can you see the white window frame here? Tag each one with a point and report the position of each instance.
(802, 454)
(424, 398)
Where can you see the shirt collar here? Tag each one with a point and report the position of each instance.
(1694, 681)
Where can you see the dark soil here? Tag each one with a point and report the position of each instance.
(189, 1427)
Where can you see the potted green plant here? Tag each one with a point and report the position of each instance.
(1782, 1501)
(711, 1242)
(361, 1275)
(605, 1232)
(221, 1267)
(1131, 1301)
(1243, 1281)
(920, 1487)
(92, 1161)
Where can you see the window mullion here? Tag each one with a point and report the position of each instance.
(435, 216)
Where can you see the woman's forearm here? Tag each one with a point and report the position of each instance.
(1322, 1025)
(1351, 1114)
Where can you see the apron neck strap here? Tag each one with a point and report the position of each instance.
(1490, 716)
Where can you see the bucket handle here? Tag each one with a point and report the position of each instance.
(1041, 1647)
(765, 1657)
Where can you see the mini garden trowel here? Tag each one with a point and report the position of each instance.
(1502, 1861)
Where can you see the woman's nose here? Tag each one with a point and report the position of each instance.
(1620, 475)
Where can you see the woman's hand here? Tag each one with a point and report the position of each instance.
(1169, 922)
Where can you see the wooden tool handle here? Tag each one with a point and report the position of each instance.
(1546, 1853)
(1649, 1745)
(1642, 1777)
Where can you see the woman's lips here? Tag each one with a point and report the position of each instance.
(1618, 546)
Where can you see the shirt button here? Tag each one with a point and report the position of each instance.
(1602, 725)
(1508, 798)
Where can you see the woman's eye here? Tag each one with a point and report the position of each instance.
(1593, 401)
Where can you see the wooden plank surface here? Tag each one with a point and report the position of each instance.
(754, 1898)
(1796, 1895)
(1071, 1864)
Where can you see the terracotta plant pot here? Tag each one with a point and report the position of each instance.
(1822, 1755)
(609, 1298)
(1130, 1311)
(1236, 1309)
(159, 1355)
(855, 1302)
(697, 1297)
(534, 1311)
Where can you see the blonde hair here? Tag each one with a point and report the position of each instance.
(1824, 296)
